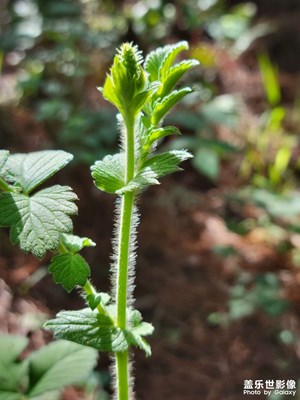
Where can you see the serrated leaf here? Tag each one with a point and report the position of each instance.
(156, 134)
(172, 52)
(37, 222)
(90, 328)
(173, 75)
(69, 270)
(162, 107)
(30, 170)
(108, 174)
(154, 168)
(75, 243)
(207, 161)
(153, 62)
(166, 163)
(58, 365)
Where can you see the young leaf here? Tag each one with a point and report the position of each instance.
(156, 134)
(58, 365)
(156, 167)
(162, 107)
(172, 52)
(173, 75)
(70, 270)
(30, 170)
(108, 173)
(166, 163)
(75, 243)
(153, 62)
(37, 222)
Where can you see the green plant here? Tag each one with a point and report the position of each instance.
(42, 374)
(39, 220)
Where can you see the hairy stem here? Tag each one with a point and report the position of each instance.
(124, 237)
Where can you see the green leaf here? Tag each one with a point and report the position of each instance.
(30, 170)
(172, 52)
(75, 243)
(156, 167)
(90, 328)
(12, 373)
(58, 365)
(4, 395)
(166, 163)
(162, 107)
(207, 162)
(108, 174)
(37, 222)
(70, 270)
(156, 134)
(4, 154)
(11, 347)
(154, 61)
(173, 75)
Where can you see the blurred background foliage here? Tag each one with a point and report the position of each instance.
(242, 124)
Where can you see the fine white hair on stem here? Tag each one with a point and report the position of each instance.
(131, 254)
(113, 373)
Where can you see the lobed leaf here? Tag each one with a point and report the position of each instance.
(162, 107)
(153, 62)
(30, 170)
(108, 174)
(69, 270)
(75, 243)
(90, 328)
(58, 365)
(37, 222)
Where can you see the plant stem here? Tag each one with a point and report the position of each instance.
(127, 203)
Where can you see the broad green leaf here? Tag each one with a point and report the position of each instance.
(207, 162)
(162, 107)
(11, 347)
(37, 222)
(75, 243)
(172, 52)
(30, 170)
(70, 270)
(173, 75)
(90, 328)
(13, 374)
(58, 365)
(156, 167)
(108, 173)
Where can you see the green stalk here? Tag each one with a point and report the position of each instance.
(127, 203)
